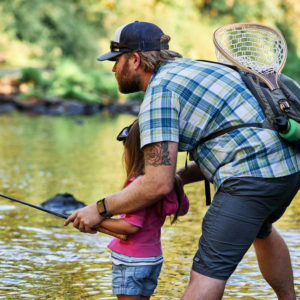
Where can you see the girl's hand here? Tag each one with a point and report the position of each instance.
(85, 219)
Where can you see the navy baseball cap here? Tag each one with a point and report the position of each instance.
(135, 36)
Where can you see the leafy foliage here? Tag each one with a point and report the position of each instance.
(69, 81)
(240, 11)
(61, 28)
(291, 67)
(58, 33)
(33, 75)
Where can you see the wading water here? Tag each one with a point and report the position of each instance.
(41, 156)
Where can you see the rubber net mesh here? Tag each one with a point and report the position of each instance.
(256, 48)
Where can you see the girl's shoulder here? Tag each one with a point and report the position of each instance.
(170, 204)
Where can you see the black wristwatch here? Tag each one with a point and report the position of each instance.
(102, 209)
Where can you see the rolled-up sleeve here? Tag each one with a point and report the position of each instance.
(159, 116)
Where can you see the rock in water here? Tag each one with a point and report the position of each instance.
(63, 203)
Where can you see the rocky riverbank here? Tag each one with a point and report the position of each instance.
(61, 107)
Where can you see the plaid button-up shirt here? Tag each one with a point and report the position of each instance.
(187, 100)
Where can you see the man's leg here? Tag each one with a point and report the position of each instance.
(275, 264)
(203, 288)
(229, 228)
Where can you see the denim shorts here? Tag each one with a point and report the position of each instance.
(135, 280)
(243, 209)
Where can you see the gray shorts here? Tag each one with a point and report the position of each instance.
(243, 209)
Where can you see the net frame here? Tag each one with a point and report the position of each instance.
(255, 48)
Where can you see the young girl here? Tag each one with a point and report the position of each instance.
(137, 262)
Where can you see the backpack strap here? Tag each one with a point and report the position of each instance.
(258, 92)
(207, 192)
(219, 63)
(214, 135)
(225, 130)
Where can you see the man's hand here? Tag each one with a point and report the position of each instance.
(192, 174)
(85, 219)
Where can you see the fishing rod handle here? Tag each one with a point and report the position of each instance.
(120, 236)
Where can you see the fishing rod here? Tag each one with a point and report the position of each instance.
(100, 229)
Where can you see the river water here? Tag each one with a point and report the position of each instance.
(41, 156)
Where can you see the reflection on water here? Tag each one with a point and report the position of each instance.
(41, 259)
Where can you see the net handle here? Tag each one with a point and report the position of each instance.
(270, 82)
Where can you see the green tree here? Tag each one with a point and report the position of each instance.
(62, 28)
(283, 14)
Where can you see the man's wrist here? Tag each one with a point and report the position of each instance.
(103, 212)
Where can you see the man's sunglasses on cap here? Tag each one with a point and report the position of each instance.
(117, 47)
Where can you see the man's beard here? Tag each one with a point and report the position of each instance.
(128, 83)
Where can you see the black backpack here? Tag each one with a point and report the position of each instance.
(279, 105)
(281, 108)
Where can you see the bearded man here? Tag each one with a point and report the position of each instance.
(255, 173)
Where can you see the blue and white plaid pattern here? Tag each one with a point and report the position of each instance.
(187, 100)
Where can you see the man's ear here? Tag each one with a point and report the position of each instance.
(136, 60)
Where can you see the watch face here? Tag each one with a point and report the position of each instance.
(100, 206)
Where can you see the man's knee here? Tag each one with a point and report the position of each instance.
(202, 287)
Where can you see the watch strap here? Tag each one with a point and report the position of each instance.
(102, 209)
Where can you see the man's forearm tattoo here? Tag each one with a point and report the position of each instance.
(157, 155)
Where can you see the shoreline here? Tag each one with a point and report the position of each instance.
(56, 106)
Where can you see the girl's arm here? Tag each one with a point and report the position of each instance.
(119, 226)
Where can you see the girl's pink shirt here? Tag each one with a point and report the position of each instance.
(146, 242)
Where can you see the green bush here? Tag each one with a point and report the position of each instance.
(291, 67)
(34, 76)
(104, 82)
(31, 75)
(37, 84)
(71, 81)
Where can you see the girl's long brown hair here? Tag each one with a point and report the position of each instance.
(135, 163)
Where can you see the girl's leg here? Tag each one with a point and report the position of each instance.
(130, 297)
(143, 279)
